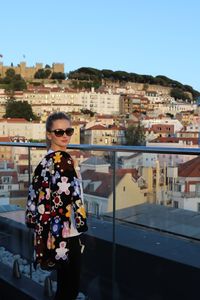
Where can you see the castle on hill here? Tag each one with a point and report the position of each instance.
(29, 72)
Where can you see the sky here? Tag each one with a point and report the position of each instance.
(151, 37)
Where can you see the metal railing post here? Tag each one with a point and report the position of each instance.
(114, 229)
(30, 231)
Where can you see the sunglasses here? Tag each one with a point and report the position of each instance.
(61, 132)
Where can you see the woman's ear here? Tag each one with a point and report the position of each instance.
(48, 135)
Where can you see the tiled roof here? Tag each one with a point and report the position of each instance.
(5, 139)
(101, 127)
(14, 120)
(175, 140)
(97, 127)
(23, 156)
(95, 160)
(190, 168)
(106, 187)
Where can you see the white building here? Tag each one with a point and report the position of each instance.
(164, 121)
(185, 186)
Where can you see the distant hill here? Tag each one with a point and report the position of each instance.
(95, 77)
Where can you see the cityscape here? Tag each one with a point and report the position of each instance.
(104, 112)
(115, 113)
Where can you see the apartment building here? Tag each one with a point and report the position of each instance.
(130, 103)
(185, 189)
(176, 107)
(99, 102)
(148, 123)
(102, 135)
(98, 192)
(5, 151)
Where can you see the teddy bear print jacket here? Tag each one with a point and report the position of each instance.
(55, 191)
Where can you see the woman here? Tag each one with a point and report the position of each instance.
(55, 209)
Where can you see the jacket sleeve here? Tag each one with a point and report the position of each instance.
(32, 201)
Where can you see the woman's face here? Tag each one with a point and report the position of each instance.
(59, 142)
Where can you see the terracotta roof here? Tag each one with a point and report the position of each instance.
(104, 116)
(190, 168)
(188, 140)
(5, 139)
(96, 127)
(23, 156)
(14, 120)
(101, 127)
(105, 188)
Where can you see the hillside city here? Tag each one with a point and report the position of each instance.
(114, 113)
(149, 201)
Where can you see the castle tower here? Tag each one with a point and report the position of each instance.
(58, 68)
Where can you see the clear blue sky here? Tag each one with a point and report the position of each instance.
(154, 37)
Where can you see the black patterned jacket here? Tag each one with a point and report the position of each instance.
(54, 192)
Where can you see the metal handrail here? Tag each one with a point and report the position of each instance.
(117, 148)
(113, 150)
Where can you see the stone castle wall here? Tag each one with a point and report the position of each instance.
(29, 72)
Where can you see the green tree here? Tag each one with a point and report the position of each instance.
(135, 135)
(58, 75)
(14, 82)
(86, 111)
(177, 93)
(10, 73)
(42, 74)
(19, 109)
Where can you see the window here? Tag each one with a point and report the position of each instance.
(6, 179)
(124, 188)
(175, 204)
(198, 206)
(96, 209)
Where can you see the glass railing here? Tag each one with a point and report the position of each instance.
(150, 188)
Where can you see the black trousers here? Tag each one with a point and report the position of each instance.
(68, 274)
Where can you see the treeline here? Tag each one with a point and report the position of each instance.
(12, 81)
(46, 73)
(95, 75)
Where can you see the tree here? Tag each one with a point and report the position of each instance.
(10, 73)
(19, 109)
(58, 75)
(42, 74)
(86, 111)
(177, 93)
(135, 135)
(14, 82)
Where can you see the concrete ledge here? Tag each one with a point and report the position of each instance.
(18, 289)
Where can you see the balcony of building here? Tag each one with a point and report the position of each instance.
(139, 246)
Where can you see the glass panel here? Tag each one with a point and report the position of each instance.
(96, 173)
(156, 199)
(149, 189)
(15, 238)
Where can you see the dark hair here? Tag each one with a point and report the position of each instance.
(49, 122)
